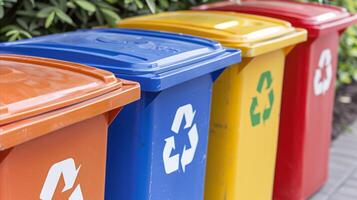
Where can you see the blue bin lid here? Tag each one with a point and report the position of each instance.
(157, 60)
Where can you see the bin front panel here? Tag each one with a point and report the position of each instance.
(68, 162)
(309, 129)
(163, 154)
(244, 131)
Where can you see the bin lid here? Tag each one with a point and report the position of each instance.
(253, 34)
(31, 87)
(312, 16)
(157, 60)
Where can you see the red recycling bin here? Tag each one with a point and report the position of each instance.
(308, 91)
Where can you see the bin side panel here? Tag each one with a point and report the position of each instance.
(128, 150)
(70, 159)
(305, 139)
(158, 154)
(319, 114)
(223, 136)
(241, 155)
(292, 123)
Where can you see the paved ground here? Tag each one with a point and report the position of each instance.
(342, 183)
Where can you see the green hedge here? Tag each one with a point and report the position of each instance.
(28, 18)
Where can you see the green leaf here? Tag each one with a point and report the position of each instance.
(71, 5)
(139, 4)
(112, 1)
(1, 12)
(8, 28)
(105, 5)
(345, 78)
(151, 5)
(32, 3)
(14, 36)
(27, 13)
(63, 5)
(25, 33)
(63, 16)
(50, 19)
(111, 17)
(86, 5)
(55, 3)
(45, 12)
(164, 3)
(99, 18)
(22, 23)
(12, 32)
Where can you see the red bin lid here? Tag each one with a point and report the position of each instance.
(311, 16)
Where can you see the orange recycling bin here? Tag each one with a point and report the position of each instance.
(54, 117)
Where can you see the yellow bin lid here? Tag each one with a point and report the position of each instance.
(254, 35)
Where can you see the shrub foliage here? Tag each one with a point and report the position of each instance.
(21, 19)
(27, 18)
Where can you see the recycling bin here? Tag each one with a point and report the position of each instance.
(246, 98)
(54, 117)
(308, 93)
(157, 147)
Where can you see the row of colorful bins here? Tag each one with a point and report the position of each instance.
(157, 147)
(59, 99)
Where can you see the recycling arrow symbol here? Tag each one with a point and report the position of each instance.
(172, 162)
(68, 170)
(256, 117)
(321, 86)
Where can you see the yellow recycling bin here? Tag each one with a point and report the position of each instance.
(246, 97)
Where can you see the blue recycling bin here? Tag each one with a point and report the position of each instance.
(157, 146)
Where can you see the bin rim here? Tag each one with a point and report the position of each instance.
(18, 126)
(337, 20)
(287, 36)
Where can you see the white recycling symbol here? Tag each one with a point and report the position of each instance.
(322, 86)
(68, 169)
(172, 163)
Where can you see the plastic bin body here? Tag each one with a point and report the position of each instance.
(51, 112)
(237, 148)
(157, 150)
(246, 97)
(308, 92)
(25, 168)
(148, 168)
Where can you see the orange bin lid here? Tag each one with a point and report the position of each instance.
(31, 86)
